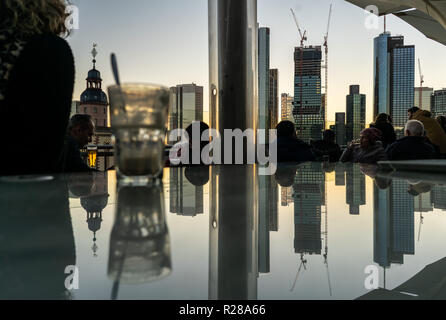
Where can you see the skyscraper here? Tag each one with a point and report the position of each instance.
(273, 97)
(439, 103)
(308, 117)
(186, 199)
(340, 129)
(394, 78)
(186, 106)
(356, 104)
(264, 82)
(426, 95)
(286, 107)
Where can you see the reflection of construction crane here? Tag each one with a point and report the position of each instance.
(421, 216)
(303, 38)
(303, 263)
(326, 67)
(326, 239)
(421, 85)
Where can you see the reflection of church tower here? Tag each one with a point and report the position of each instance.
(93, 100)
(94, 204)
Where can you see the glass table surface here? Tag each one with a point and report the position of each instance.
(311, 231)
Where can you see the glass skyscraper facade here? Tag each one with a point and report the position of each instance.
(439, 103)
(286, 107)
(426, 97)
(186, 106)
(394, 77)
(264, 82)
(402, 89)
(273, 97)
(308, 117)
(356, 105)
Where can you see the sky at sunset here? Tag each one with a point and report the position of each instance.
(166, 42)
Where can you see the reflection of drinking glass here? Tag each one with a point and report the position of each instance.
(138, 118)
(92, 154)
(139, 245)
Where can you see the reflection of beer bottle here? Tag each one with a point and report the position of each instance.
(92, 156)
(139, 244)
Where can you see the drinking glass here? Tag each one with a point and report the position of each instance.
(138, 119)
(92, 152)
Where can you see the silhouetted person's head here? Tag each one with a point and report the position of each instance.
(203, 127)
(369, 137)
(34, 17)
(329, 136)
(412, 111)
(286, 129)
(414, 128)
(383, 117)
(285, 175)
(81, 128)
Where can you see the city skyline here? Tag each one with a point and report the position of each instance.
(158, 59)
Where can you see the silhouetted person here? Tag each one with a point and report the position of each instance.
(285, 174)
(203, 127)
(434, 131)
(383, 123)
(79, 134)
(442, 121)
(36, 85)
(289, 147)
(413, 146)
(327, 147)
(368, 150)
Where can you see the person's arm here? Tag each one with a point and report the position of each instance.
(347, 156)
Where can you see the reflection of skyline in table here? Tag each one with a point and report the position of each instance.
(355, 189)
(185, 198)
(394, 226)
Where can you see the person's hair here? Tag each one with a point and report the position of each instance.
(82, 120)
(285, 129)
(382, 117)
(415, 127)
(34, 17)
(329, 135)
(413, 110)
(372, 134)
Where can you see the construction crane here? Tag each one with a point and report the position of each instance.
(303, 38)
(326, 66)
(421, 85)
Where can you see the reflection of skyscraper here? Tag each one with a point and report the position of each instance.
(355, 189)
(309, 188)
(356, 104)
(286, 196)
(340, 174)
(394, 234)
(185, 198)
(309, 118)
(186, 106)
(273, 205)
(423, 202)
(438, 198)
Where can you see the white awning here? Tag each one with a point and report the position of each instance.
(428, 16)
